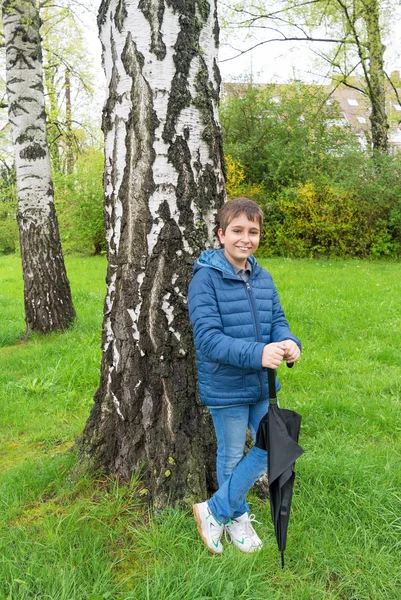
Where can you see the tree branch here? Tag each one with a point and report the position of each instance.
(395, 90)
(358, 44)
(282, 39)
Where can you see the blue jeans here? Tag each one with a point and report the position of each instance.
(236, 473)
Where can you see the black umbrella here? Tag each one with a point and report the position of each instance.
(278, 433)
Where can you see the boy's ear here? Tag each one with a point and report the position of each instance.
(221, 235)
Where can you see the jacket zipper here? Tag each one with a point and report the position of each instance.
(258, 334)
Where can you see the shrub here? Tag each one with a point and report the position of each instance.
(320, 192)
(8, 232)
(79, 205)
(8, 211)
(323, 219)
(235, 181)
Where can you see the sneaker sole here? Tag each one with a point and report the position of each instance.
(198, 521)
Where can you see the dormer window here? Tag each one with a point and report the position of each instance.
(352, 102)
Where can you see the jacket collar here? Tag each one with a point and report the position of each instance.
(215, 259)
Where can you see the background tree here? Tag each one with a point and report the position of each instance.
(353, 29)
(47, 296)
(72, 124)
(163, 184)
(283, 135)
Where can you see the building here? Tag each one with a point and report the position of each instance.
(353, 104)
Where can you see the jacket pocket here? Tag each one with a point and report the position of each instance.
(228, 378)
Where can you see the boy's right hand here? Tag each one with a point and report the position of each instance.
(273, 355)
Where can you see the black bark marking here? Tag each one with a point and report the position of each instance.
(157, 46)
(120, 15)
(33, 152)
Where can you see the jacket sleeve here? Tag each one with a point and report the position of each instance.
(208, 328)
(280, 329)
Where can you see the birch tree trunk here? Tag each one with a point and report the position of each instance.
(47, 297)
(163, 184)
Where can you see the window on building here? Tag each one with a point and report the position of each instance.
(362, 120)
(397, 107)
(352, 102)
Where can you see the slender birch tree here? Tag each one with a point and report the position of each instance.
(47, 296)
(163, 183)
(351, 29)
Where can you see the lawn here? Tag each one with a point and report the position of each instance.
(63, 538)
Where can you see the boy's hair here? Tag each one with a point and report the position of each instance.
(239, 206)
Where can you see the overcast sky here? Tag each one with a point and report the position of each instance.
(271, 62)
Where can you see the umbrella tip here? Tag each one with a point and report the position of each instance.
(282, 560)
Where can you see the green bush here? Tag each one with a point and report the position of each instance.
(320, 192)
(8, 232)
(79, 205)
(8, 211)
(283, 141)
(318, 219)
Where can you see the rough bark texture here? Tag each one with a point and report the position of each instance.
(376, 81)
(163, 184)
(47, 297)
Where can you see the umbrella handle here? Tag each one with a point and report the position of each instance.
(290, 365)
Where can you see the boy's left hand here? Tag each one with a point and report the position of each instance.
(292, 352)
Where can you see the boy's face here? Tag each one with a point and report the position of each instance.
(240, 240)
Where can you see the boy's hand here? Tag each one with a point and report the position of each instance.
(273, 354)
(291, 351)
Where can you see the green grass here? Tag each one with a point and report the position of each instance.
(63, 539)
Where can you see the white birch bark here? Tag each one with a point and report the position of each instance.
(48, 304)
(163, 183)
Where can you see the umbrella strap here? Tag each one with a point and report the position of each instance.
(271, 377)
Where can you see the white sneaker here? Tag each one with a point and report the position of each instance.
(242, 533)
(209, 527)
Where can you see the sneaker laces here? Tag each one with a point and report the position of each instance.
(249, 526)
(246, 527)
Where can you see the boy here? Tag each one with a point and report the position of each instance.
(239, 330)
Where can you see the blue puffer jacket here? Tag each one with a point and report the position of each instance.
(232, 322)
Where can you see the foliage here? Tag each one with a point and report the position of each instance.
(68, 81)
(8, 210)
(319, 219)
(235, 181)
(72, 538)
(321, 194)
(79, 204)
(285, 139)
